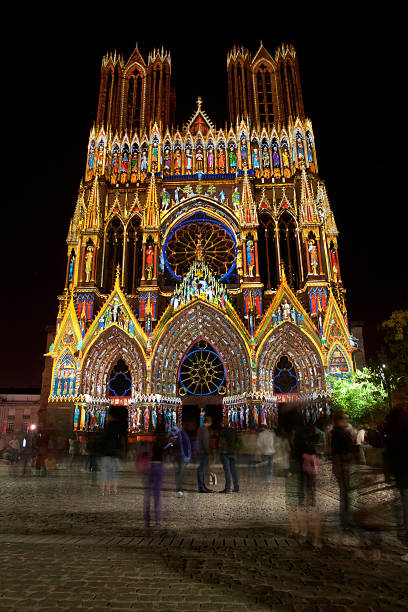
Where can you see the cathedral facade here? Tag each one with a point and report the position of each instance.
(202, 264)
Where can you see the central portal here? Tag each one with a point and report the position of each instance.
(202, 383)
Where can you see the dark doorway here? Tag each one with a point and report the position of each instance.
(214, 411)
(191, 418)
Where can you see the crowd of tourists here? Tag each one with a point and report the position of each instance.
(300, 452)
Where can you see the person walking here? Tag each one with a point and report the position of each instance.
(266, 445)
(111, 448)
(341, 453)
(154, 476)
(227, 446)
(72, 451)
(203, 443)
(14, 445)
(182, 447)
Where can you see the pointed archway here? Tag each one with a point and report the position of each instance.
(288, 340)
(112, 345)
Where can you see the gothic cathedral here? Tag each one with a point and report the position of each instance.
(202, 264)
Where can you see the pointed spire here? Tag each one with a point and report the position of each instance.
(248, 214)
(151, 214)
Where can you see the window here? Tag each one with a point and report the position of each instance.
(10, 426)
(264, 95)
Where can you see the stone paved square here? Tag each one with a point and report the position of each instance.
(65, 547)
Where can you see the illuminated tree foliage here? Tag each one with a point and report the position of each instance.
(359, 395)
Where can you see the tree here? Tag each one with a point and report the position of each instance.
(396, 340)
(359, 395)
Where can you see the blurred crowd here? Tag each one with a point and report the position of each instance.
(299, 452)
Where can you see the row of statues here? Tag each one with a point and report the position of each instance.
(243, 416)
(198, 190)
(146, 418)
(115, 313)
(142, 418)
(129, 162)
(286, 312)
(90, 419)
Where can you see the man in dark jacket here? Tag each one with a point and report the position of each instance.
(112, 444)
(342, 449)
(227, 447)
(203, 442)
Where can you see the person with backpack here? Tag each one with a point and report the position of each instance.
(227, 446)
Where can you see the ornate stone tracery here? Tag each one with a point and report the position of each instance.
(196, 321)
(289, 340)
(220, 235)
(111, 345)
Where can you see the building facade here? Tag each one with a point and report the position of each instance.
(202, 264)
(19, 410)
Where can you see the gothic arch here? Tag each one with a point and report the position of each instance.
(111, 345)
(287, 339)
(338, 360)
(199, 320)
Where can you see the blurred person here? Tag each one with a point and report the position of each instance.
(14, 445)
(341, 454)
(252, 452)
(27, 456)
(154, 476)
(266, 447)
(396, 460)
(294, 482)
(72, 451)
(227, 445)
(311, 461)
(3, 445)
(84, 453)
(203, 447)
(361, 435)
(180, 441)
(361, 442)
(111, 449)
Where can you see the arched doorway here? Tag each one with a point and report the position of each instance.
(289, 356)
(200, 322)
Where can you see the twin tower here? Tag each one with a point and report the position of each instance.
(136, 94)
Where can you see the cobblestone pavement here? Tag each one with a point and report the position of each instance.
(63, 546)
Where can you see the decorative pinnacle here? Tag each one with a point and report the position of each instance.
(199, 102)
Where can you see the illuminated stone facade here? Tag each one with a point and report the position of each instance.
(210, 251)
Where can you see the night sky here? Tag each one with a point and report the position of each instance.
(53, 79)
